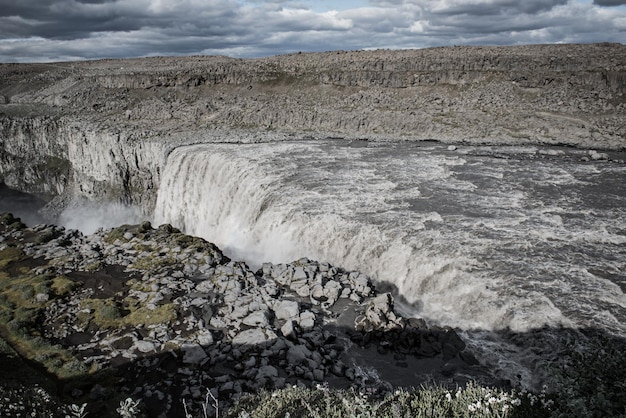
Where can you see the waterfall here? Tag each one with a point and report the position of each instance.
(467, 239)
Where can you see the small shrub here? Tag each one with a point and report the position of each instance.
(433, 402)
(20, 401)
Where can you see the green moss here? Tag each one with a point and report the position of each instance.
(46, 235)
(138, 285)
(145, 316)
(10, 255)
(11, 222)
(143, 247)
(103, 312)
(7, 218)
(144, 227)
(23, 319)
(106, 313)
(93, 267)
(62, 285)
(22, 290)
(115, 235)
(154, 262)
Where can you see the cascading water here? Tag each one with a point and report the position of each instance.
(471, 241)
(476, 238)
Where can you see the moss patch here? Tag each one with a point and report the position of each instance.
(162, 314)
(10, 255)
(107, 313)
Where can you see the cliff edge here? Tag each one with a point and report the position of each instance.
(104, 127)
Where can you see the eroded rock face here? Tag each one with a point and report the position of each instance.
(167, 315)
(102, 129)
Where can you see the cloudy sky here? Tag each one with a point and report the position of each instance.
(61, 30)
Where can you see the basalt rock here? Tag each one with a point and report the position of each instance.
(162, 314)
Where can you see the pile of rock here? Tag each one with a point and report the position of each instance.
(169, 316)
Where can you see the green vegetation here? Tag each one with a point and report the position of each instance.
(154, 262)
(9, 255)
(107, 314)
(116, 234)
(46, 235)
(592, 383)
(62, 285)
(162, 314)
(102, 312)
(433, 402)
(21, 300)
(12, 222)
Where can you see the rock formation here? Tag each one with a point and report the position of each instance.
(160, 316)
(101, 129)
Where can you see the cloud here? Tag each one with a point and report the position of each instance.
(610, 2)
(492, 7)
(53, 30)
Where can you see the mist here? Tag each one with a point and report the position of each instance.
(81, 214)
(88, 217)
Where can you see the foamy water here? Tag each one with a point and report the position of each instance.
(476, 238)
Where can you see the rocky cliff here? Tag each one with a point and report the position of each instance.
(162, 317)
(103, 128)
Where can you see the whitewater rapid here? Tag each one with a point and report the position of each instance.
(514, 238)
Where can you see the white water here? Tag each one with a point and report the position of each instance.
(470, 240)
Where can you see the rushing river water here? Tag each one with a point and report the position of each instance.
(484, 239)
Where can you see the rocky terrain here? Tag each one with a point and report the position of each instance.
(102, 129)
(160, 316)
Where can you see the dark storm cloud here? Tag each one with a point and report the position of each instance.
(72, 19)
(44, 30)
(610, 2)
(497, 7)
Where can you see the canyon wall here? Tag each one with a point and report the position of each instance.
(103, 129)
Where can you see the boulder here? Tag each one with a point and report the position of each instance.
(253, 337)
(306, 320)
(256, 319)
(145, 346)
(193, 353)
(298, 354)
(289, 330)
(286, 309)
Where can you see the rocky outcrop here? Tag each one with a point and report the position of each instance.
(101, 129)
(162, 316)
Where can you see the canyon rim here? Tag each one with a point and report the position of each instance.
(106, 133)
